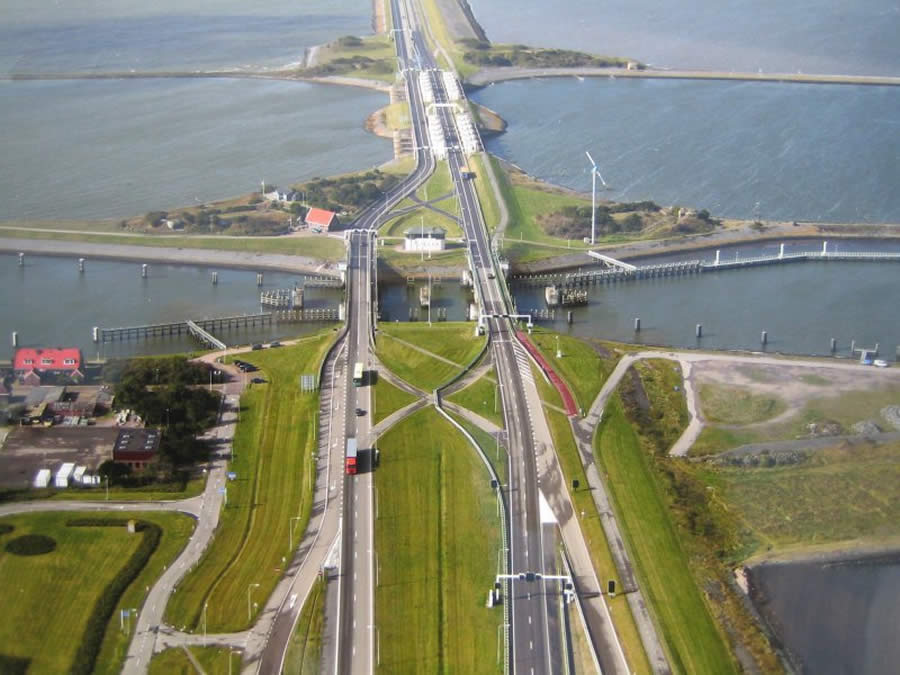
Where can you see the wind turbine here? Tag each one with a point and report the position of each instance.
(595, 172)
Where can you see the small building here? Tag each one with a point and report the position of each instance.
(288, 195)
(322, 218)
(424, 239)
(32, 365)
(42, 478)
(64, 475)
(39, 404)
(138, 448)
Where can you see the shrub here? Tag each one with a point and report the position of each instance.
(5, 528)
(31, 544)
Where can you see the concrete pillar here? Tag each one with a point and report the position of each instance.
(876, 348)
(215, 278)
(259, 279)
(781, 251)
(637, 324)
(95, 334)
(21, 259)
(833, 345)
(718, 252)
(144, 271)
(81, 265)
(825, 247)
(342, 312)
(570, 316)
(15, 339)
(852, 346)
(699, 330)
(764, 337)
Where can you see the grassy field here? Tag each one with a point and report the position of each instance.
(371, 58)
(594, 537)
(76, 573)
(495, 452)
(434, 572)
(211, 659)
(840, 494)
(407, 262)
(452, 341)
(396, 115)
(274, 446)
(583, 367)
(422, 217)
(389, 399)
(305, 648)
(486, 197)
(735, 405)
(321, 247)
(692, 639)
(482, 397)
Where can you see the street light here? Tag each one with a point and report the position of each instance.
(249, 589)
(231, 652)
(204, 621)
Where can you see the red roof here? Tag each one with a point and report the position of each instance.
(320, 217)
(47, 359)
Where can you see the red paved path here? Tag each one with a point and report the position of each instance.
(567, 398)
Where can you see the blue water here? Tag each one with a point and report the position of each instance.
(743, 149)
(811, 36)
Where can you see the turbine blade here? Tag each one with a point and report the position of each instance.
(593, 163)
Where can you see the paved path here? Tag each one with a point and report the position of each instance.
(473, 417)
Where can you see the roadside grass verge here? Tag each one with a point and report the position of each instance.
(439, 184)
(833, 495)
(389, 399)
(482, 397)
(486, 197)
(453, 341)
(320, 247)
(437, 537)
(422, 217)
(396, 115)
(156, 492)
(212, 659)
(736, 405)
(595, 537)
(583, 366)
(453, 256)
(496, 453)
(693, 642)
(305, 647)
(77, 573)
(274, 445)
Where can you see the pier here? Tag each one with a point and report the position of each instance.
(206, 338)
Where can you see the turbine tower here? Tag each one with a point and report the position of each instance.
(594, 173)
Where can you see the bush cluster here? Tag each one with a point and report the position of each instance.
(6, 528)
(31, 544)
(92, 639)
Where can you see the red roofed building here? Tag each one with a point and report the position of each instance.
(327, 220)
(30, 362)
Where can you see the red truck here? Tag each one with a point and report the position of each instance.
(350, 457)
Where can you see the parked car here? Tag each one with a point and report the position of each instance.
(256, 346)
(274, 343)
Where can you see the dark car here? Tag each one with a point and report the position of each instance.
(258, 380)
(360, 412)
(256, 346)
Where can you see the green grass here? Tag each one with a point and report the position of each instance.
(713, 440)
(693, 642)
(454, 341)
(438, 28)
(582, 367)
(305, 647)
(76, 573)
(379, 48)
(396, 227)
(320, 247)
(274, 445)
(157, 492)
(486, 197)
(482, 397)
(496, 453)
(439, 184)
(595, 537)
(839, 494)
(214, 660)
(389, 399)
(735, 405)
(437, 537)
(396, 115)
(453, 256)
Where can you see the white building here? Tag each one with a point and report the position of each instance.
(425, 239)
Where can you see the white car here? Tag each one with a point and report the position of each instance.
(880, 363)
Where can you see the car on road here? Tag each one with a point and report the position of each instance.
(360, 412)
(491, 275)
(274, 343)
(258, 380)
(880, 363)
(256, 346)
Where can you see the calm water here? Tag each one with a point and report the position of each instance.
(50, 304)
(52, 36)
(128, 147)
(400, 302)
(813, 36)
(801, 152)
(835, 618)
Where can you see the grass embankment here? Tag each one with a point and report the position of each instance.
(396, 115)
(841, 494)
(482, 53)
(839, 413)
(486, 196)
(734, 405)
(673, 527)
(371, 58)
(212, 659)
(495, 452)
(437, 535)
(412, 263)
(305, 647)
(452, 341)
(49, 600)
(274, 445)
(389, 399)
(438, 29)
(584, 365)
(321, 247)
(482, 397)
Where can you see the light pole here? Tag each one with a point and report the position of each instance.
(249, 589)
(204, 622)
(291, 531)
(107, 487)
(231, 652)
(558, 353)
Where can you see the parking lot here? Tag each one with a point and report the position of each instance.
(29, 449)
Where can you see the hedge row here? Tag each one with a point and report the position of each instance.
(6, 528)
(91, 641)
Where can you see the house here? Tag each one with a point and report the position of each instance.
(31, 364)
(424, 239)
(326, 220)
(138, 448)
(278, 195)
